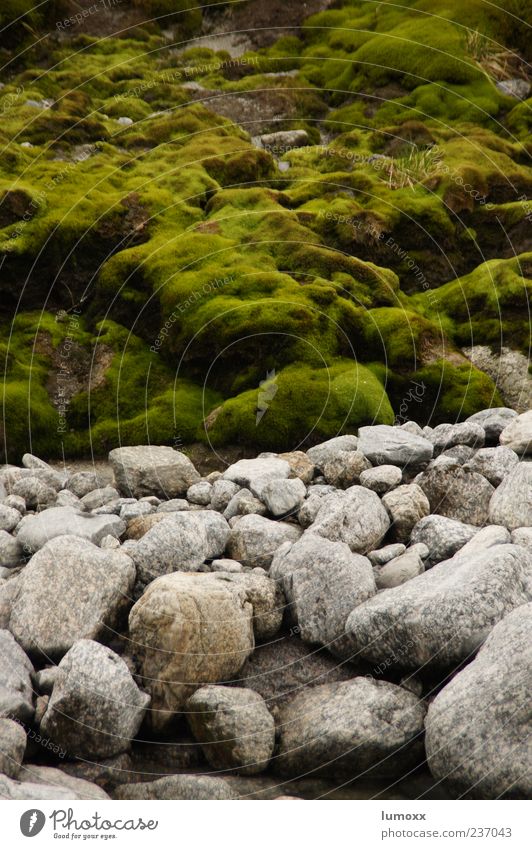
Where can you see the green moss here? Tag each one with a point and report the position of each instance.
(302, 405)
(490, 306)
(454, 392)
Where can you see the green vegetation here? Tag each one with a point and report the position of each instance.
(197, 263)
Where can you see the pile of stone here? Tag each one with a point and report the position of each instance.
(357, 612)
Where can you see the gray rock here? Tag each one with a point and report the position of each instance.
(420, 549)
(9, 518)
(354, 516)
(45, 680)
(16, 689)
(11, 551)
(34, 531)
(399, 570)
(518, 434)
(478, 726)
(51, 783)
(460, 453)
(132, 511)
(446, 436)
(12, 747)
(188, 630)
(244, 503)
(222, 493)
(381, 479)
(283, 496)
(178, 787)
(70, 590)
(312, 504)
(511, 504)
(173, 544)
(383, 445)
(406, 505)
(280, 669)
(493, 421)
(284, 140)
(345, 469)
(234, 727)
(224, 564)
(174, 505)
(110, 542)
(328, 451)
(248, 472)
(493, 463)
(323, 581)
(254, 540)
(216, 530)
(31, 461)
(81, 483)
(99, 497)
(440, 618)
(516, 88)
(152, 470)
(96, 708)
(442, 536)
(8, 591)
(522, 536)
(458, 494)
(200, 493)
(486, 538)
(354, 728)
(37, 494)
(265, 596)
(381, 556)
(415, 429)
(65, 498)
(16, 503)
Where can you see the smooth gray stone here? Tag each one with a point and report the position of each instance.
(517, 435)
(355, 516)
(70, 590)
(234, 727)
(178, 787)
(381, 479)
(383, 445)
(34, 531)
(398, 571)
(445, 436)
(11, 551)
(381, 556)
(406, 505)
(43, 782)
(327, 451)
(493, 463)
(493, 421)
(350, 729)
(440, 618)
(511, 504)
(254, 539)
(283, 496)
(478, 726)
(443, 536)
(96, 708)
(152, 470)
(323, 581)
(457, 493)
(12, 747)
(246, 472)
(16, 688)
